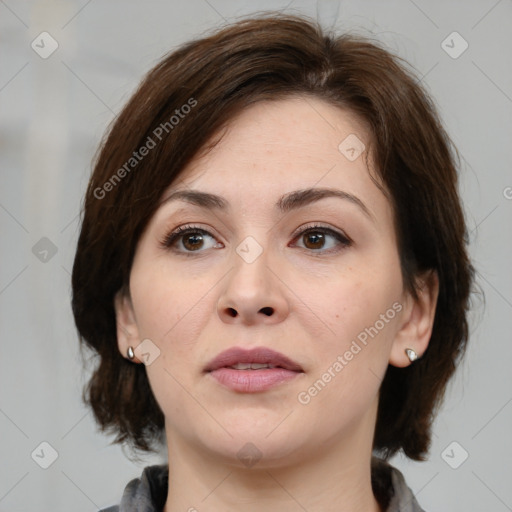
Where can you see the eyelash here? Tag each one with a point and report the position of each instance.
(169, 240)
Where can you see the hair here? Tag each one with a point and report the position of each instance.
(191, 94)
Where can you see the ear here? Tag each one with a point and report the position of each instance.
(127, 329)
(417, 321)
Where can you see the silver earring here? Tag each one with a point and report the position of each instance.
(411, 354)
(131, 353)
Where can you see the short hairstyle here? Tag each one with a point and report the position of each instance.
(182, 103)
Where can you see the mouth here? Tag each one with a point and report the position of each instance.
(255, 359)
(251, 371)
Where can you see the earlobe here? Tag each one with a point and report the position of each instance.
(417, 322)
(126, 325)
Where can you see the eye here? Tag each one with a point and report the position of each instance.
(321, 239)
(188, 239)
(194, 239)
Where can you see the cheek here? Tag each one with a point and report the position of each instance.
(169, 306)
(351, 301)
(351, 362)
(172, 311)
(362, 310)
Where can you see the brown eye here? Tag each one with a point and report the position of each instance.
(193, 241)
(190, 239)
(322, 240)
(314, 240)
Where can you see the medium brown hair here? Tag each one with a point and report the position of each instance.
(272, 57)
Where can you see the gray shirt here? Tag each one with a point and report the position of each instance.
(149, 492)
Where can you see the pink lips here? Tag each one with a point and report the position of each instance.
(245, 380)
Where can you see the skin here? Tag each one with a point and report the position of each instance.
(319, 296)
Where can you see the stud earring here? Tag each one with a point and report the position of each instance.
(130, 353)
(411, 354)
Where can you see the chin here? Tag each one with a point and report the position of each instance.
(257, 444)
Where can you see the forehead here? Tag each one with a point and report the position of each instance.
(274, 147)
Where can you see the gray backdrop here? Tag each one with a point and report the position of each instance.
(54, 109)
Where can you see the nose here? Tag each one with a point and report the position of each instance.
(254, 293)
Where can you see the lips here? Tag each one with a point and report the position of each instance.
(257, 359)
(252, 371)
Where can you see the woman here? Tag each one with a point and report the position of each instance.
(272, 269)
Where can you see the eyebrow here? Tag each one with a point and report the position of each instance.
(286, 203)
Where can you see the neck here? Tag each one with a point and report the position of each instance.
(336, 478)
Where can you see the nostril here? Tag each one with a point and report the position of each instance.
(267, 311)
(232, 312)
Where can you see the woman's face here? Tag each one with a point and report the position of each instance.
(314, 276)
